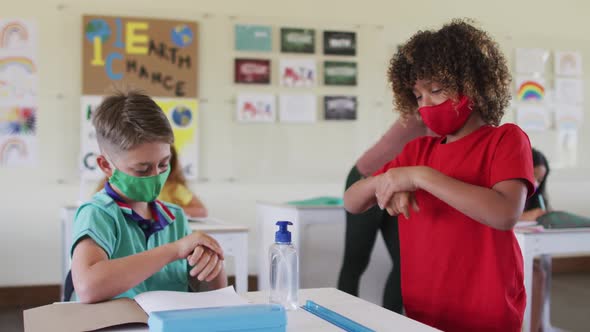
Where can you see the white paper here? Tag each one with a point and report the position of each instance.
(568, 63)
(88, 145)
(298, 108)
(531, 60)
(256, 108)
(532, 117)
(167, 300)
(530, 89)
(18, 151)
(568, 117)
(569, 91)
(298, 72)
(567, 148)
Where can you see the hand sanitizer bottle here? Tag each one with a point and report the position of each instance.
(284, 269)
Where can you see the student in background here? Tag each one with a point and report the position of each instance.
(362, 229)
(535, 207)
(125, 241)
(458, 196)
(176, 191)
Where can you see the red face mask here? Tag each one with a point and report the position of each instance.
(446, 118)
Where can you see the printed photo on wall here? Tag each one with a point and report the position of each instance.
(252, 107)
(253, 38)
(339, 43)
(297, 40)
(252, 71)
(340, 107)
(298, 72)
(340, 73)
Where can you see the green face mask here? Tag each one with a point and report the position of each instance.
(139, 189)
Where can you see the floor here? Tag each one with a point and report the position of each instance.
(570, 305)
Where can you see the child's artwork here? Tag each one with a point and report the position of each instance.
(340, 73)
(297, 40)
(339, 43)
(568, 117)
(17, 35)
(533, 117)
(569, 91)
(255, 38)
(18, 91)
(531, 60)
(156, 56)
(183, 117)
(255, 108)
(530, 89)
(18, 120)
(18, 151)
(298, 108)
(340, 107)
(88, 145)
(252, 71)
(568, 63)
(298, 72)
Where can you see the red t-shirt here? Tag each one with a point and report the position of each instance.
(458, 274)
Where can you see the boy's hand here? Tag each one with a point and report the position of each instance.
(188, 244)
(206, 263)
(395, 180)
(401, 202)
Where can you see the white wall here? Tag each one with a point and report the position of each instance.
(297, 162)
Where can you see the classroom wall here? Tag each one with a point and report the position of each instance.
(241, 164)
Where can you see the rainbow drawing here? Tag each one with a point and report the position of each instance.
(531, 90)
(11, 29)
(18, 61)
(10, 146)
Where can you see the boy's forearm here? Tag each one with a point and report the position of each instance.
(360, 196)
(485, 205)
(109, 278)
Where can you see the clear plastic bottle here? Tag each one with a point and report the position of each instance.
(284, 269)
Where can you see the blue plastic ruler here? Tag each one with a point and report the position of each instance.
(335, 318)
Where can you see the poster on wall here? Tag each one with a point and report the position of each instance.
(252, 71)
(88, 145)
(529, 89)
(569, 91)
(253, 38)
(340, 73)
(531, 60)
(568, 63)
(297, 40)
(18, 93)
(156, 56)
(533, 117)
(340, 107)
(252, 107)
(339, 43)
(183, 116)
(298, 108)
(298, 72)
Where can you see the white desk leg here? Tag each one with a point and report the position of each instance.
(241, 261)
(528, 284)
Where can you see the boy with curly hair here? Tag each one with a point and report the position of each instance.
(458, 195)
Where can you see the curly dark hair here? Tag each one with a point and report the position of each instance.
(463, 59)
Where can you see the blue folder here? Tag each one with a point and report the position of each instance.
(256, 317)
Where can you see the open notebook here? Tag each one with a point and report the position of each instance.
(73, 316)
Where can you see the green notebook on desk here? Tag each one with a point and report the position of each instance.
(560, 220)
(319, 201)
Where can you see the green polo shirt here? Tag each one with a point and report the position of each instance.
(111, 226)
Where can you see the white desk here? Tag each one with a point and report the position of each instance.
(232, 238)
(363, 312)
(552, 242)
